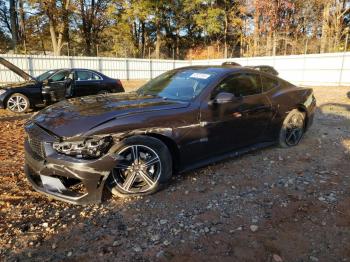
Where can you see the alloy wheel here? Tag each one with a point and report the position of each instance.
(294, 130)
(138, 169)
(17, 103)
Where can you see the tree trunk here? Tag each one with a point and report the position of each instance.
(325, 28)
(274, 43)
(269, 43)
(286, 40)
(158, 40)
(143, 39)
(53, 36)
(66, 37)
(22, 23)
(14, 24)
(41, 36)
(177, 43)
(225, 36)
(256, 33)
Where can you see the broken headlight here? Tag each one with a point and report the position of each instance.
(88, 148)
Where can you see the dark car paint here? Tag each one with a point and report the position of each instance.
(45, 93)
(196, 132)
(85, 113)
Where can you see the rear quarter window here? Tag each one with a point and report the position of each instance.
(269, 83)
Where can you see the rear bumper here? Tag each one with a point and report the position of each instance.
(79, 181)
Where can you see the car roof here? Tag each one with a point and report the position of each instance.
(59, 69)
(255, 66)
(221, 70)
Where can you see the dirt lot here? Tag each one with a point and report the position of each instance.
(271, 205)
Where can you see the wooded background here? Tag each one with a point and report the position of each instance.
(178, 29)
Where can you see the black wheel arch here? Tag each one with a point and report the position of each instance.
(303, 109)
(171, 145)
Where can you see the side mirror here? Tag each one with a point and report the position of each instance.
(47, 81)
(222, 98)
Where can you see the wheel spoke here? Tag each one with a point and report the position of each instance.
(122, 165)
(129, 181)
(146, 178)
(135, 154)
(151, 162)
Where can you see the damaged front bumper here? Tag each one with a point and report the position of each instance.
(73, 180)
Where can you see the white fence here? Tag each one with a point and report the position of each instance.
(331, 69)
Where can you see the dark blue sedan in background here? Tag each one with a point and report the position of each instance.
(53, 86)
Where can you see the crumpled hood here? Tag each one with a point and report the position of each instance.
(76, 116)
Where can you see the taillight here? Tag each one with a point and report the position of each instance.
(119, 83)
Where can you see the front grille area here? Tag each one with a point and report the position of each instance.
(36, 138)
(37, 146)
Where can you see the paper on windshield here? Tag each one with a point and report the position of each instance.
(200, 76)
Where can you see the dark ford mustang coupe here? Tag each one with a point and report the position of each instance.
(185, 118)
(53, 86)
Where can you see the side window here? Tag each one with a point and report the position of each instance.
(83, 75)
(95, 77)
(60, 76)
(86, 76)
(269, 83)
(241, 85)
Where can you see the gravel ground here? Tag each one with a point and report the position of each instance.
(270, 205)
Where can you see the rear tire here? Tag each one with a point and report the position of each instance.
(143, 168)
(18, 103)
(293, 128)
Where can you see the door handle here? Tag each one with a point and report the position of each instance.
(237, 114)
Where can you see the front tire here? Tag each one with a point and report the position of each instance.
(18, 103)
(293, 129)
(143, 167)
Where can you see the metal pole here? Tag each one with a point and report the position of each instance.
(346, 41)
(306, 46)
(191, 56)
(150, 64)
(343, 59)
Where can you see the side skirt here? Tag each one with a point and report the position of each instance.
(225, 156)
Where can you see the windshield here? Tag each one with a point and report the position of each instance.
(178, 85)
(45, 75)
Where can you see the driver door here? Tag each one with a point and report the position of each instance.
(56, 86)
(240, 122)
